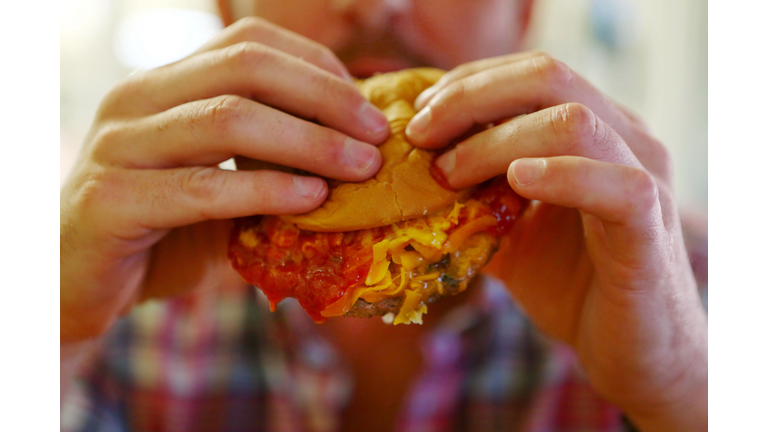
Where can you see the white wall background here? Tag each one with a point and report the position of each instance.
(650, 55)
(656, 64)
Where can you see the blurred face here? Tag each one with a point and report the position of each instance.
(382, 35)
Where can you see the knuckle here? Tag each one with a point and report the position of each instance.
(330, 87)
(323, 55)
(327, 149)
(643, 193)
(651, 152)
(253, 27)
(220, 112)
(325, 52)
(115, 100)
(201, 184)
(454, 92)
(575, 124)
(451, 95)
(263, 195)
(463, 70)
(662, 158)
(94, 188)
(666, 162)
(552, 71)
(104, 141)
(334, 93)
(249, 55)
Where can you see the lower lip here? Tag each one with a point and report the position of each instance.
(366, 67)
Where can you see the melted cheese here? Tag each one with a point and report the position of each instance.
(412, 310)
(427, 237)
(397, 270)
(380, 264)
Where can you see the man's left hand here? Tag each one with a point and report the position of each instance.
(598, 261)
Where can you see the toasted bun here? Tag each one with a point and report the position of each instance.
(403, 188)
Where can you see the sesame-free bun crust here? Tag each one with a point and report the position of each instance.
(403, 188)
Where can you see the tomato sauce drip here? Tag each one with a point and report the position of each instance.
(319, 268)
(315, 268)
(503, 202)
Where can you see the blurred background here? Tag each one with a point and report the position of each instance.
(650, 55)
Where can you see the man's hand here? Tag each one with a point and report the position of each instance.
(599, 262)
(134, 210)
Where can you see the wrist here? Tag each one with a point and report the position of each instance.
(690, 414)
(76, 328)
(84, 314)
(89, 304)
(682, 408)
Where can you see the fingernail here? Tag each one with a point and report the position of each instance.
(419, 123)
(308, 187)
(347, 76)
(420, 101)
(447, 162)
(373, 120)
(360, 155)
(527, 171)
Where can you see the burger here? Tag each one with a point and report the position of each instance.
(388, 246)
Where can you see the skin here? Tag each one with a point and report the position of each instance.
(599, 262)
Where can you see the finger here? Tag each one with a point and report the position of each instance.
(652, 153)
(205, 133)
(506, 91)
(564, 130)
(260, 73)
(161, 199)
(612, 192)
(199, 252)
(468, 69)
(625, 199)
(256, 29)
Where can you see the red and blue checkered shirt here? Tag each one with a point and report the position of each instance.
(223, 362)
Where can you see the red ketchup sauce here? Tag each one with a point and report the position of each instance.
(315, 268)
(319, 268)
(503, 202)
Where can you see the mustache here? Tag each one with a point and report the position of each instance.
(386, 44)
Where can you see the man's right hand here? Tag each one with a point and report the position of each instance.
(143, 213)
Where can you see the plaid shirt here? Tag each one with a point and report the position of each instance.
(222, 362)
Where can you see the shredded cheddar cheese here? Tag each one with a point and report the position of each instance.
(427, 277)
(462, 233)
(400, 265)
(453, 217)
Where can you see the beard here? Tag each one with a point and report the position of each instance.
(368, 52)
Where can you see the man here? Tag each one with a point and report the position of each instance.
(598, 264)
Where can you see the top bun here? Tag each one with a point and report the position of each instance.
(403, 188)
